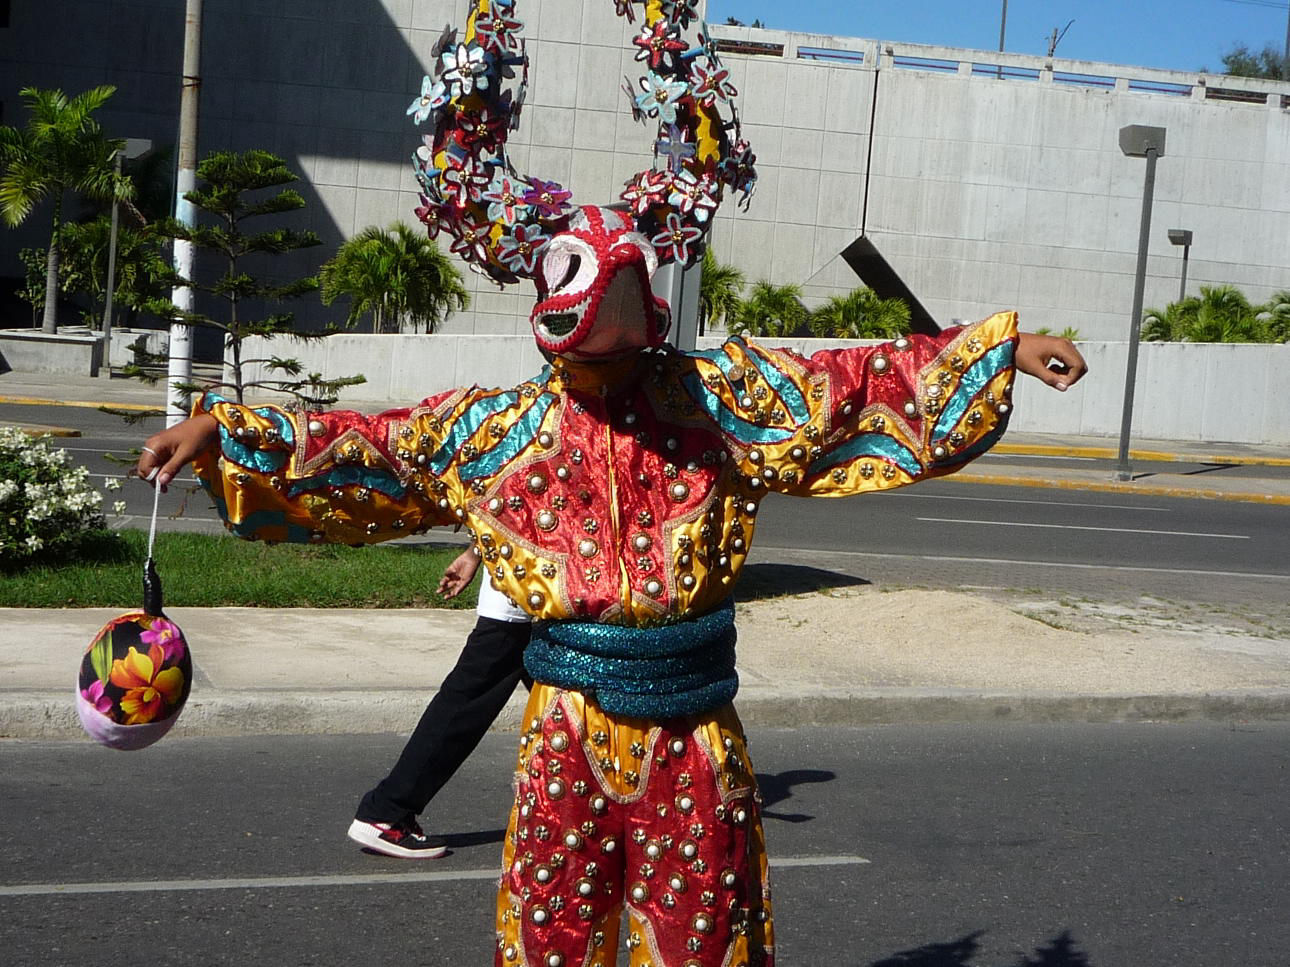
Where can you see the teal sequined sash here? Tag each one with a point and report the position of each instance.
(663, 672)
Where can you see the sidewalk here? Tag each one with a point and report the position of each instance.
(876, 656)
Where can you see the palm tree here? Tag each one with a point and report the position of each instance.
(1276, 315)
(770, 310)
(719, 288)
(61, 150)
(861, 314)
(396, 275)
(1221, 313)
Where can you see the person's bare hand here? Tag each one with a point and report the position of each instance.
(458, 575)
(168, 452)
(1050, 359)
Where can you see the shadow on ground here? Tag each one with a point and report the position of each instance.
(1061, 951)
(778, 787)
(758, 581)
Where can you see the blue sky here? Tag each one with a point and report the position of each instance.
(1182, 35)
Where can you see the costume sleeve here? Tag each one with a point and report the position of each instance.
(294, 475)
(848, 421)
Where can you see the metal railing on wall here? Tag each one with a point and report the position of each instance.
(915, 57)
(830, 54)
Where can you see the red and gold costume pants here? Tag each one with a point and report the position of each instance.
(659, 818)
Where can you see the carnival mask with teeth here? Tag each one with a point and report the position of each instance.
(594, 297)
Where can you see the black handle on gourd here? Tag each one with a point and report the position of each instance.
(152, 590)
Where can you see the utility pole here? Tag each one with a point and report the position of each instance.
(1285, 58)
(1003, 30)
(180, 368)
(1056, 38)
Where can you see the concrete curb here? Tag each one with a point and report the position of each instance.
(42, 429)
(1117, 487)
(84, 404)
(1146, 456)
(52, 716)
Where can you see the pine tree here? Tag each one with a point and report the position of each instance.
(234, 189)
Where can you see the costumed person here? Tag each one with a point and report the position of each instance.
(470, 698)
(614, 496)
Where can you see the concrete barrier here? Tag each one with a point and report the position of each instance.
(32, 351)
(1214, 392)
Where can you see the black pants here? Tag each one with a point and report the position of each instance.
(468, 701)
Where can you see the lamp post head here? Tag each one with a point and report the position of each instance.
(1137, 139)
(135, 148)
(1180, 236)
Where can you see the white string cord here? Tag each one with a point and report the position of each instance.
(152, 527)
(156, 500)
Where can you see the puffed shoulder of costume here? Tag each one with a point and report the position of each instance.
(848, 421)
(282, 474)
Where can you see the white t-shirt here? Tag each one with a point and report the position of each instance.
(493, 604)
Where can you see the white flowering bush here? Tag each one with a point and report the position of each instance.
(47, 505)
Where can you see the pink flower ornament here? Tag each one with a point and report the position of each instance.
(547, 198)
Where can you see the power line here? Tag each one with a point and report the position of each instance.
(1262, 3)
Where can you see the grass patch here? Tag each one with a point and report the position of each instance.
(199, 570)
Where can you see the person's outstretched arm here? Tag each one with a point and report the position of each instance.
(294, 475)
(847, 421)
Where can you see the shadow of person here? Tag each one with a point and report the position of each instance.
(1060, 951)
(955, 953)
(758, 581)
(482, 837)
(779, 786)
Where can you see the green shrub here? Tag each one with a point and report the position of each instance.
(47, 505)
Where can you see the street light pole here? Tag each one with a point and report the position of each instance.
(1138, 141)
(106, 369)
(180, 368)
(134, 148)
(1182, 236)
(1003, 25)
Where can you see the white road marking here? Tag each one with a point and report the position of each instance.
(905, 495)
(949, 559)
(121, 476)
(1077, 527)
(340, 879)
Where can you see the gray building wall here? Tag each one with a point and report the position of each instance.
(996, 181)
(983, 192)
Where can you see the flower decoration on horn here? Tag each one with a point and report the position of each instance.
(500, 221)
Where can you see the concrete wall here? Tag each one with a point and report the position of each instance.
(1206, 392)
(996, 181)
(32, 351)
(990, 180)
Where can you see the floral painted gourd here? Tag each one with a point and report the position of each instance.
(135, 675)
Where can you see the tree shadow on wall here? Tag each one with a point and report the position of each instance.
(1060, 951)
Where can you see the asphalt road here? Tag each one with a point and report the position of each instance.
(953, 846)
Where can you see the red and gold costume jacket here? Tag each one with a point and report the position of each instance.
(622, 492)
